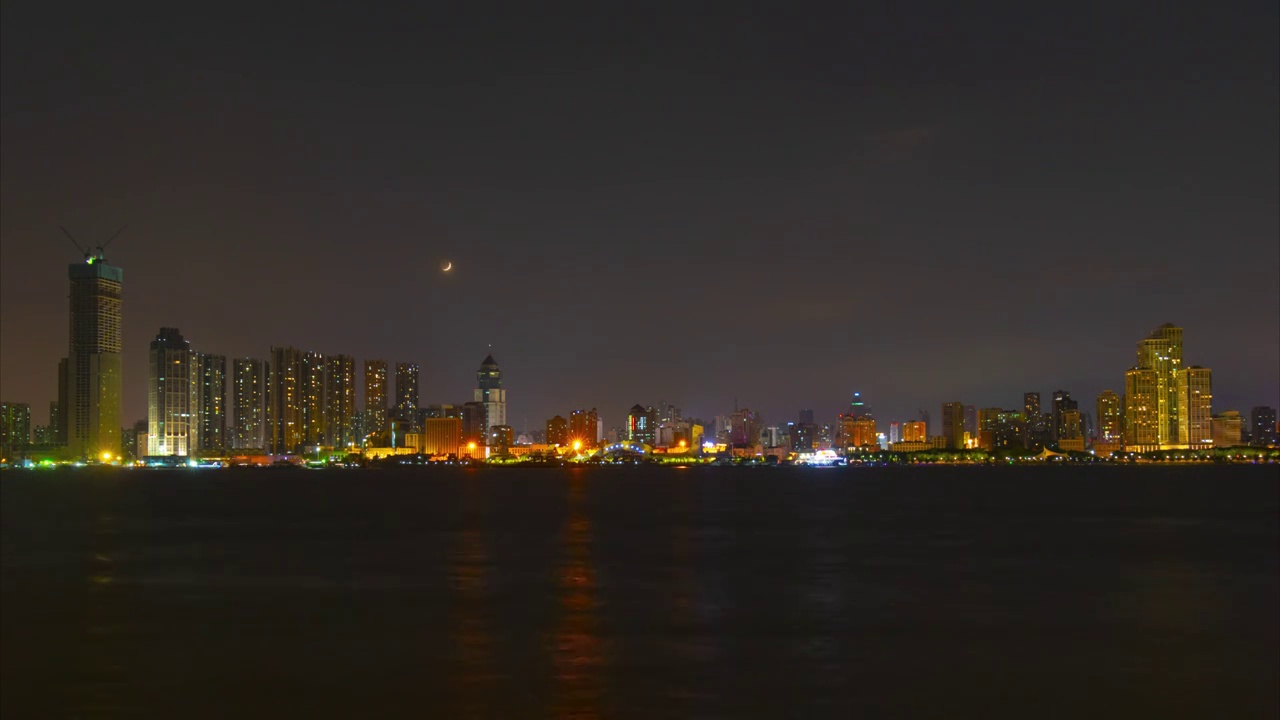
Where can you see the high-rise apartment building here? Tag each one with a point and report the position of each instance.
(313, 399)
(248, 404)
(406, 390)
(558, 431)
(209, 402)
(744, 428)
(584, 426)
(1195, 400)
(93, 371)
(340, 402)
(489, 392)
(1141, 410)
(1030, 405)
(1161, 352)
(15, 427)
(285, 399)
(1110, 417)
(169, 395)
(953, 424)
(1263, 423)
(642, 425)
(1062, 402)
(375, 396)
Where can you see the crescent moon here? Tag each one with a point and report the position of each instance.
(447, 267)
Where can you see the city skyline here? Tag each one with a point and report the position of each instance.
(700, 205)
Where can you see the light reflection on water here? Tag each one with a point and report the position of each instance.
(579, 656)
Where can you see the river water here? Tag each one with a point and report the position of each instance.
(642, 592)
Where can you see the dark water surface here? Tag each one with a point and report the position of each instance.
(642, 593)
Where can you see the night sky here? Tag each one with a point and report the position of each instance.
(778, 203)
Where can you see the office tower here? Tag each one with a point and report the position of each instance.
(1030, 405)
(558, 431)
(863, 434)
(474, 429)
(953, 424)
(915, 431)
(340, 402)
(375, 396)
(1071, 428)
(584, 425)
(93, 369)
(1008, 430)
(1161, 352)
(489, 392)
(642, 425)
(1141, 412)
(744, 428)
(15, 427)
(248, 403)
(987, 421)
(1263, 421)
(209, 403)
(804, 437)
(285, 396)
(1110, 417)
(406, 390)
(1062, 402)
(895, 433)
(169, 416)
(1195, 398)
(857, 408)
(1227, 429)
(441, 436)
(971, 424)
(806, 416)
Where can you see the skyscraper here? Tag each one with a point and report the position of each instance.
(1227, 429)
(1263, 421)
(340, 402)
(642, 425)
(210, 406)
(971, 424)
(1062, 403)
(407, 390)
(169, 416)
(93, 371)
(285, 397)
(1110, 417)
(1031, 405)
(806, 416)
(375, 396)
(1195, 399)
(489, 392)
(248, 403)
(313, 400)
(953, 424)
(1161, 352)
(1141, 411)
(915, 431)
(857, 407)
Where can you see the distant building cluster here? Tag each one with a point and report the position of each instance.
(296, 402)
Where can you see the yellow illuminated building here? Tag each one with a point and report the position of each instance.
(1195, 399)
(914, 432)
(1141, 410)
(1110, 417)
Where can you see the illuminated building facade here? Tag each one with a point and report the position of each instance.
(209, 402)
(1141, 411)
(1031, 405)
(863, 434)
(895, 432)
(915, 431)
(169, 416)
(501, 438)
(285, 397)
(1110, 417)
(804, 437)
(584, 425)
(1161, 353)
(1195, 400)
(1263, 423)
(490, 394)
(642, 425)
(557, 431)
(313, 401)
(248, 403)
(406, 390)
(744, 429)
(441, 436)
(15, 427)
(340, 402)
(93, 371)
(1062, 403)
(375, 397)
(1227, 429)
(858, 409)
(953, 425)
